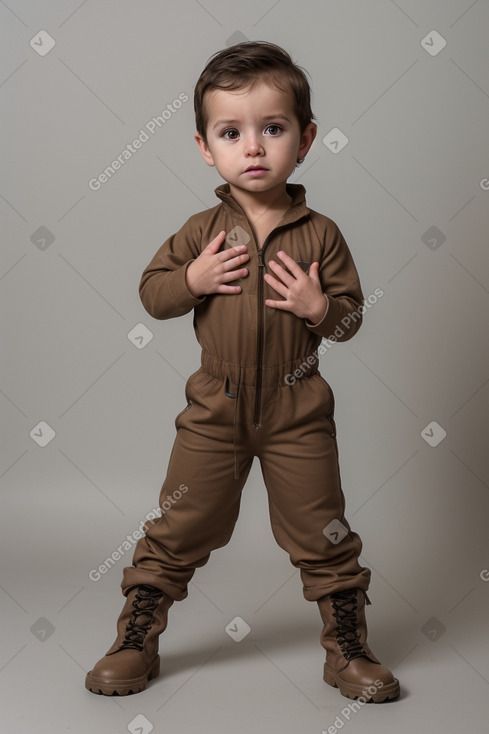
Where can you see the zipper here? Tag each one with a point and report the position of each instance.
(259, 338)
(260, 324)
(259, 343)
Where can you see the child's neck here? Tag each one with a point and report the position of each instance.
(263, 204)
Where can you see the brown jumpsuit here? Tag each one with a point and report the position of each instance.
(245, 401)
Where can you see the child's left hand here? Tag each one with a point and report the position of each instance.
(303, 292)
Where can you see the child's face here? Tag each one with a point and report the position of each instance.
(253, 127)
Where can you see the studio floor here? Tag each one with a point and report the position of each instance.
(268, 683)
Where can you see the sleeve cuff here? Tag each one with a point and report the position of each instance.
(319, 323)
(330, 320)
(180, 293)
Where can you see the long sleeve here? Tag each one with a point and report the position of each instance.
(163, 288)
(341, 284)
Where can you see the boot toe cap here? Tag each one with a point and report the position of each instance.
(122, 665)
(122, 673)
(362, 678)
(365, 673)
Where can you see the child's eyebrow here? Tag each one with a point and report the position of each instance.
(264, 119)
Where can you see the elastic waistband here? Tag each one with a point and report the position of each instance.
(272, 377)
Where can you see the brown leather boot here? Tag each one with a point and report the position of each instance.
(133, 659)
(350, 664)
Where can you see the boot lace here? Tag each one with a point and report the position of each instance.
(145, 605)
(345, 607)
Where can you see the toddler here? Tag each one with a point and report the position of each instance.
(267, 278)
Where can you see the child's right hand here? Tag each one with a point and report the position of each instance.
(209, 272)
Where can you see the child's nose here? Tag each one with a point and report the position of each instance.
(253, 145)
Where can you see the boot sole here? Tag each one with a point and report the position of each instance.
(350, 690)
(108, 687)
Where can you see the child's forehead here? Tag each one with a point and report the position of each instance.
(260, 97)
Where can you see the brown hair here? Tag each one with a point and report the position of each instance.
(242, 65)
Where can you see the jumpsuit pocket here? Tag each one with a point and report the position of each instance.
(182, 412)
(227, 390)
(331, 395)
(331, 421)
(189, 400)
(329, 413)
(329, 392)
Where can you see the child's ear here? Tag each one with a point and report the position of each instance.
(307, 139)
(204, 149)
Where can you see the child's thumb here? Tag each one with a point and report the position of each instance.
(314, 271)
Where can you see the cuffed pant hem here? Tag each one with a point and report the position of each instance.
(135, 577)
(314, 593)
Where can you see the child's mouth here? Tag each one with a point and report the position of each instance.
(256, 171)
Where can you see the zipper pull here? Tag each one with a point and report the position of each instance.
(261, 264)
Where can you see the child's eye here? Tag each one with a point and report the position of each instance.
(274, 129)
(231, 134)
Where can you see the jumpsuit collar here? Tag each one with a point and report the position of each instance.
(297, 210)
(298, 207)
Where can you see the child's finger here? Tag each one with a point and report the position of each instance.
(216, 243)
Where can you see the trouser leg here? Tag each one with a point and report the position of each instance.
(299, 461)
(202, 519)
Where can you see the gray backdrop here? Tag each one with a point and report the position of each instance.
(90, 384)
